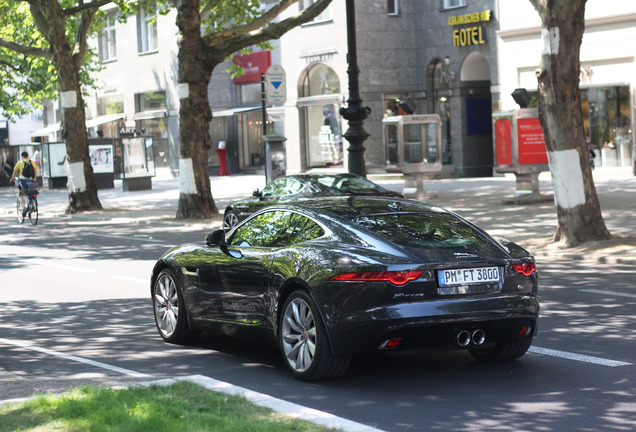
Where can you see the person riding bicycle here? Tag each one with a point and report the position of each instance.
(25, 171)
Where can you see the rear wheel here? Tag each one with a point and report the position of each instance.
(33, 211)
(230, 220)
(303, 340)
(169, 309)
(502, 351)
(20, 210)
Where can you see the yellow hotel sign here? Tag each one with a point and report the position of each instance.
(469, 35)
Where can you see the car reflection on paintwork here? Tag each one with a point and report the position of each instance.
(301, 186)
(326, 278)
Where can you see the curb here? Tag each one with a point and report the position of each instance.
(289, 409)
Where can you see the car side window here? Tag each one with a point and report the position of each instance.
(276, 229)
(275, 188)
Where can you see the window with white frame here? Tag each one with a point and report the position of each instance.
(108, 39)
(325, 15)
(147, 30)
(393, 7)
(452, 4)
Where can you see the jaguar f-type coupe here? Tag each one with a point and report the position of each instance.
(327, 278)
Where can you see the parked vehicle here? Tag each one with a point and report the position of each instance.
(326, 278)
(300, 186)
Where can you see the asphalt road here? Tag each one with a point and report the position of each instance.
(76, 309)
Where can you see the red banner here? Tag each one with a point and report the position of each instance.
(531, 142)
(503, 142)
(254, 64)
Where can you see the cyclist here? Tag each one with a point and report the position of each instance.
(24, 174)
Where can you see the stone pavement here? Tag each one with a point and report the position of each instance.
(477, 199)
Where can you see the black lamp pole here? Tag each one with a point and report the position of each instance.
(355, 113)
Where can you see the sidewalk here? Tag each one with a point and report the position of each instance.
(477, 199)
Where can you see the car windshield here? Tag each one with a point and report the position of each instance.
(421, 232)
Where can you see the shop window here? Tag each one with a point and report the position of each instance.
(321, 116)
(150, 101)
(108, 39)
(325, 15)
(606, 118)
(147, 40)
(452, 4)
(393, 7)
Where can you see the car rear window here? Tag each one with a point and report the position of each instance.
(427, 230)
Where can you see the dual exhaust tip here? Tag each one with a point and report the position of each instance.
(477, 337)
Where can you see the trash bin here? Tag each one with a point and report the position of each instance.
(275, 157)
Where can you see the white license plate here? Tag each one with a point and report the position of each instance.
(468, 276)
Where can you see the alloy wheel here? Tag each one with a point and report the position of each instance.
(166, 305)
(299, 335)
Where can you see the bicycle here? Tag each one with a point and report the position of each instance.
(30, 188)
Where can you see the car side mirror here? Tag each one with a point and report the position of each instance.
(257, 193)
(216, 238)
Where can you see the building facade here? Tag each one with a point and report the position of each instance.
(607, 75)
(460, 59)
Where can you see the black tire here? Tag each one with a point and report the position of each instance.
(33, 211)
(169, 309)
(304, 343)
(502, 351)
(20, 211)
(230, 220)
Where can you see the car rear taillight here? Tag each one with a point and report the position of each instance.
(525, 269)
(395, 277)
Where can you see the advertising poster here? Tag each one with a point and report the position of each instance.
(531, 142)
(56, 160)
(101, 158)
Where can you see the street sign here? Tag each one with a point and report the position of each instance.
(275, 87)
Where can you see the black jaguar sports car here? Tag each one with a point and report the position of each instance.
(300, 186)
(330, 277)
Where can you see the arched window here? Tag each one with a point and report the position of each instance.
(319, 80)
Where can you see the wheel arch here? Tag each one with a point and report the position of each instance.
(285, 291)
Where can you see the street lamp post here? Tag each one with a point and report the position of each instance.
(355, 113)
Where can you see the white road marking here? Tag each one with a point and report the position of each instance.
(606, 292)
(133, 279)
(75, 358)
(578, 357)
(64, 267)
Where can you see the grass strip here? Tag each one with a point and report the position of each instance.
(183, 406)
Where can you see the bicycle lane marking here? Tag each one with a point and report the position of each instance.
(75, 358)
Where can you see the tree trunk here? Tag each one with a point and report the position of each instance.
(81, 182)
(195, 69)
(578, 210)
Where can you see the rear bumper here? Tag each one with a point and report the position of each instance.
(435, 325)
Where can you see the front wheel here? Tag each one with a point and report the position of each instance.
(503, 351)
(169, 309)
(303, 341)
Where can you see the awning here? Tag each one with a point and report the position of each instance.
(232, 111)
(149, 115)
(46, 131)
(104, 119)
